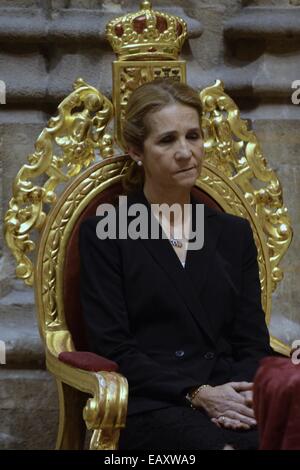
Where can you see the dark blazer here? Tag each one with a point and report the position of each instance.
(171, 327)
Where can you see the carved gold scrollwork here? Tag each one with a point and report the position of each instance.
(69, 143)
(131, 78)
(106, 413)
(58, 231)
(234, 150)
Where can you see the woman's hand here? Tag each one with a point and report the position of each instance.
(248, 396)
(236, 424)
(229, 405)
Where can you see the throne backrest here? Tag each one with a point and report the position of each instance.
(235, 178)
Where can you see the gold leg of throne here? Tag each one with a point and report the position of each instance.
(105, 439)
(73, 412)
(95, 401)
(72, 426)
(71, 430)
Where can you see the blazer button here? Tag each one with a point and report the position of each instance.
(179, 353)
(209, 355)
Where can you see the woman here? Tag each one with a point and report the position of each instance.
(185, 325)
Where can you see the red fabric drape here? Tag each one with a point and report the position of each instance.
(277, 404)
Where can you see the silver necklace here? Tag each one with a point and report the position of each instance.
(176, 243)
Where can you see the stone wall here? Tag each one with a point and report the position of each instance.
(253, 46)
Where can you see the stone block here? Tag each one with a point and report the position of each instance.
(264, 22)
(21, 3)
(19, 131)
(19, 331)
(28, 410)
(275, 74)
(271, 3)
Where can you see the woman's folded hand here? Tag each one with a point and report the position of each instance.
(229, 405)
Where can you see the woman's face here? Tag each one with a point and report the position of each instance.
(173, 150)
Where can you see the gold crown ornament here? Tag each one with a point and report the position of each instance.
(147, 32)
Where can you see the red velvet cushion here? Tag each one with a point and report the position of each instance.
(277, 404)
(88, 361)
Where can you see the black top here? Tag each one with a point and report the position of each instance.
(171, 327)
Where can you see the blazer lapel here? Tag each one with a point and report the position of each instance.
(190, 280)
(198, 262)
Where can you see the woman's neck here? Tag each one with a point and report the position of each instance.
(169, 198)
(159, 196)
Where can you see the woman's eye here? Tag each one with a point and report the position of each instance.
(169, 138)
(193, 136)
(166, 140)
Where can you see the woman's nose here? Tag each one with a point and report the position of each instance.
(183, 151)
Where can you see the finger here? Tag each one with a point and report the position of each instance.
(248, 397)
(215, 421)
(242, 418)
(230, 423)
(242, 409)
(239, 407)
(235, 396)
(242, 386)
(238, 395)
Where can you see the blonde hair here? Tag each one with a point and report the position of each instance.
(144, 100)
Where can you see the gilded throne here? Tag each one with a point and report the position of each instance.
(77, 150)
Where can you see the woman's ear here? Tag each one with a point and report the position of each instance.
(134, 154)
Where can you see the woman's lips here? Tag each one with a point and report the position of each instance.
(186, 169)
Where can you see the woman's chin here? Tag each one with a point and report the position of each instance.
(187, 180)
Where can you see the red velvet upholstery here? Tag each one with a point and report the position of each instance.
(71, 268)
(88, 361)
(277, 404)
(204, 198)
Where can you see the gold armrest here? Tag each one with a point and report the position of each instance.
(104, 413)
